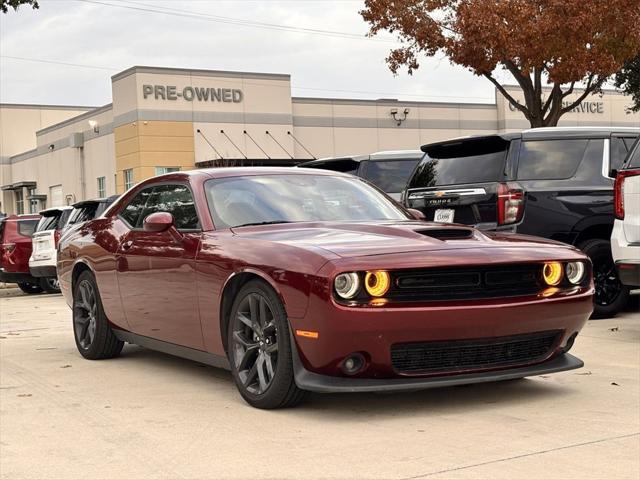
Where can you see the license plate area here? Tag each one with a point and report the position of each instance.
(444, 215)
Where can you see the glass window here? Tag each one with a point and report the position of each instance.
(33, 203)
(83, 213)
(389, 175)
(550, 159)
(102, 187)
(27, 227)
(19, 196)
(176, 200)
(472, 161)
(262, 199)
(55, 194)
(618, 153)
(163, 170)
(128, 179)
(48, 222)
(629, 141)
(131, 213)
(634, 159)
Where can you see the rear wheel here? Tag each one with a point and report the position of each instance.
(30, 288)
(259, 349)
(93, 334)
(611, 295)
(50, 285)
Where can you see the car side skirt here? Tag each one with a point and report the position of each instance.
(199, 356)
(314, 382)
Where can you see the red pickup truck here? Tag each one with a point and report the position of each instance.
(15, 249)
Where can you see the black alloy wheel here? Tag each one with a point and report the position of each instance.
(30, 288)
(93, 334)
(611, 295)
(50, 285)
(259, 348)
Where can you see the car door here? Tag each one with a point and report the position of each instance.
(156, 270)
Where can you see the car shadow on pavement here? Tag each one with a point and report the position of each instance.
(349, 405)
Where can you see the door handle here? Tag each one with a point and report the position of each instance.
(127, 245)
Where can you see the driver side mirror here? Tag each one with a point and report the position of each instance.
(416, 214)
(158, 222)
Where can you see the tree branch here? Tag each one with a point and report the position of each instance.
(507, 95)
(589, 89)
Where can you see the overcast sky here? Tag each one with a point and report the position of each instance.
(116, 34)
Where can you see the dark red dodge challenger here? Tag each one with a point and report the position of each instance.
(302, 280)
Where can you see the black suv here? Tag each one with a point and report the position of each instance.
(550, 182)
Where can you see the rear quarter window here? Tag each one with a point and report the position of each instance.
(634, 159)
(550, 159)
(26, 228)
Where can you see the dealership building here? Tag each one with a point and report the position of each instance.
(165, 119)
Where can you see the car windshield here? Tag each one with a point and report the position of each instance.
(255, 200)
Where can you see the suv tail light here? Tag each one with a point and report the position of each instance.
(618, 191)
(56, 238)
(510, 203)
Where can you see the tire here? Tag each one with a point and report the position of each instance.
(94, 337)
(30, 288)
(50, 285)
(611, 295)
(257, 338)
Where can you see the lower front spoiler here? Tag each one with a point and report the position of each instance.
(314, 382)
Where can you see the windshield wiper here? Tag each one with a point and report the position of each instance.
(272, 222)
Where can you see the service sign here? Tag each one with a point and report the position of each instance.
(192, 94)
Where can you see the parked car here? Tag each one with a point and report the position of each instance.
(86, 210)
(42, 262)
(15, 248)
(625, 239)
(389, 170)
(310, 280)
(550, 182)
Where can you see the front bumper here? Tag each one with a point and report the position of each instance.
(314, 382)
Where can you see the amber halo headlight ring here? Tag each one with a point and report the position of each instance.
(377, 283)
(552, 273)
(575, 272)
(347, 285)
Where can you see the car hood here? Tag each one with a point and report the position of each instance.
(381, 238)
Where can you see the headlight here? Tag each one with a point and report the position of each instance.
(575, 272)
(377, 283)
(552, 273)
(347, 285)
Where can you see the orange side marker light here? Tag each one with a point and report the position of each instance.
(307, 334)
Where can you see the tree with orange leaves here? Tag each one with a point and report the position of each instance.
(562, 43)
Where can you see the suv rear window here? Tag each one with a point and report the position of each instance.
(550, 159)
(27, 227)
(389, 175)
(469, 161)
(49, 222)
(634, 160)
(84, 213)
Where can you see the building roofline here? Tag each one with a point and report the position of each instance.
(389, 101)
(606, 91)
(77, 118)
(42, 105)
(199, 72)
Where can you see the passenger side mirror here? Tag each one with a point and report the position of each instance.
(416, 214)
(158, 222)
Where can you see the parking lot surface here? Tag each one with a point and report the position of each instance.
(150, 415)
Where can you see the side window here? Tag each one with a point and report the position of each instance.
(550, 159)
(131, 213)
(634, 160)
(619, 152)
(178, 201)
(629, 141)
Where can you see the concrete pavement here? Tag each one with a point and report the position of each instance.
(149, 415)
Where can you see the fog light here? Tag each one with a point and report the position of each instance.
(353, 363)
(377, 283)
(552, 273)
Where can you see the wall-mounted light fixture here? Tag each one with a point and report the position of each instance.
(396, 116)
(52, 146)
(94, 125)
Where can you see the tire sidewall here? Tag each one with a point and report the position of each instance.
(283, 377)
(102, 324)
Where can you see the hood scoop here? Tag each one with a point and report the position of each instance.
(447, 233)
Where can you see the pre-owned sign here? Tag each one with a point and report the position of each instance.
(192, 94)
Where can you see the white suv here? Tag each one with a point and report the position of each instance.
(44, 255)
(625, 238)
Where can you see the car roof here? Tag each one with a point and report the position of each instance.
(49, 211)
(373, 157)
(91, 201)
(224, 172)
(539, 133)
(26, 216)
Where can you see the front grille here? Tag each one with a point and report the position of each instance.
(478, 354)
(465, 283)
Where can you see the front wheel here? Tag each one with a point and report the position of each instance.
(30, 288)
(94, 337)
(611, 295)
(259, 349)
